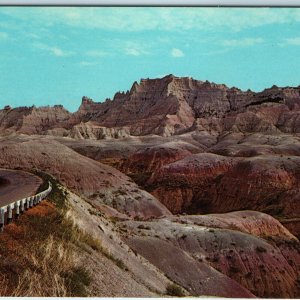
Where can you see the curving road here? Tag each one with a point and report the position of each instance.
(15, 185)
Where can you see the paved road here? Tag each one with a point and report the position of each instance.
(15, 185)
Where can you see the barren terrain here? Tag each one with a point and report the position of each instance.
(183, 187)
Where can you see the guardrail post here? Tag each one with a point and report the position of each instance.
(17, 205)
(27, 203)
(22, 205)
(9, 217)
(2, 219)
(31, 202)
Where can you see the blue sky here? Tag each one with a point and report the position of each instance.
(56, 55)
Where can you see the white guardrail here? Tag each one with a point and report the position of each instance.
(21, 205)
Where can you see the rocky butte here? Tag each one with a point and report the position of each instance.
(165, 107)
(191, 188)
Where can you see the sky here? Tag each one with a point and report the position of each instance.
(57, 55)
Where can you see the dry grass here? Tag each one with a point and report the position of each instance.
(4, 285)
(48, 267)
(41, 252)
(53, 274)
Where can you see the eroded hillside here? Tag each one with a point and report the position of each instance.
(175, 187)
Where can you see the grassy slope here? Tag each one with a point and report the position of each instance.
(39, 251)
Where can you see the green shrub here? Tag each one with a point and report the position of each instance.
(174, 290)
(57, 195)
(77, 281)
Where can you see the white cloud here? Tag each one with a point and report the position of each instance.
(56, 51)
(292, 41)
(96, 53)
(87, 63)
(132, 51)
(214, 52)
(3, 36)
(244, 42)
(132, 48)
(165, 18)
(176, 52)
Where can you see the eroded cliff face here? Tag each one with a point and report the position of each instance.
(207, 183)
(173, 105)
(202, 173)
(90, 131)
(251, 248)
(165, 106)
(32, 120)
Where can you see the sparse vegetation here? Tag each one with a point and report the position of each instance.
(234, 269)
(44, 253)
(44, 269)
(216, 258)
(140, 178)
(143, 227)
(77, 280)
(43, 260)
(117, 261)
(260, 249)
(120, 192)
(57, 195)
(174, 290)
(94, 212)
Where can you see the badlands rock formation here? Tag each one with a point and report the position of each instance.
(32, 120)
(176, 165)
(166, 106)
(102, 184)
(212, 183)
(244, 246)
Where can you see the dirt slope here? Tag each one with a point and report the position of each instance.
(101, 183)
